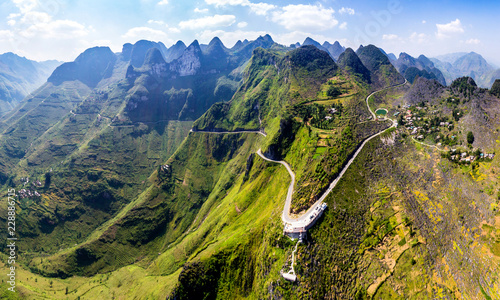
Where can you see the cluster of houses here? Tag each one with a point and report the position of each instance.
(410, 118)
(465, 157)
(25, 193)
(410, 126)
(331, 111)
(26, 180)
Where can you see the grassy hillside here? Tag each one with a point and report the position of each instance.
(382, 72)
(273, 81)
(200, 217)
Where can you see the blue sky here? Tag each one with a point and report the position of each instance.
(61, 29)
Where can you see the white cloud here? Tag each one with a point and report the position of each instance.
(260, 8)
(13, 16)
(64, 29)
(219, 3)
(473, 41)
(163, 2)
(174, 30)
(5, 35)
(144, 33)
(424, 21)
(201, 11)
(343, 26)
(446, 30)
(418, 38)
(303, 17)
(161, 23)
(31, 23)
(390, 37)
(35, 17)
(211, 21)
(36, 32)
(25, 5)
(100, 43)
(242, 24)
(346, 10)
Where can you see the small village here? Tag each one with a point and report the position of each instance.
(27, 192)
(439, 132)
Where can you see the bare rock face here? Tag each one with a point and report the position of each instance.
(189, 62)
(155, 62)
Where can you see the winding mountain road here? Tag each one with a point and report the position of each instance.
(232, 132)
(302, 220)
(432, 146)
(386, 88)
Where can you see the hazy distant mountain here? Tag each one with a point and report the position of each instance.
(335, 50)
(491, 78)
(471, 64)
(392, 58)
(450, 57)
(248, 46)
(412, 68)
(90, 67)
(175, 51)
(310, 41)
(19, 77)
(140, 49)
(237, 46)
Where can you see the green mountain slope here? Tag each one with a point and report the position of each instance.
(273, 81)
(198, 215)
(19, 77)
(382, 71)
(87, 140)
(349, 60)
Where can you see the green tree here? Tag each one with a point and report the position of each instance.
(333, 91)
(495, 89)
(470, 137)
(48, 178)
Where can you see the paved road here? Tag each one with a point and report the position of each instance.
(231, 132)
(392, 86)
(300, 221)
(303, 219)
(285, 216)
(432, 146)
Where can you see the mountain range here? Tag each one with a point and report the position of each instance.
(162, 173)
(467, 64)
(19, 77)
